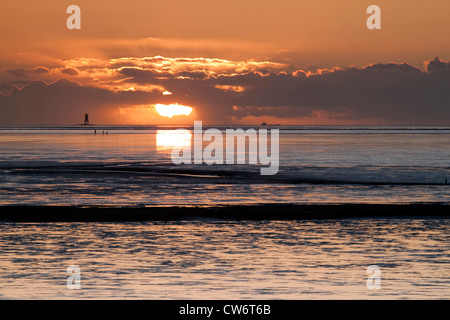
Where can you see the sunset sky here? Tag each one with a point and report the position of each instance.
(233, 62)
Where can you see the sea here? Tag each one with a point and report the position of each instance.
(211, 258)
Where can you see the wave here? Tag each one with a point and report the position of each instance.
(351, 175)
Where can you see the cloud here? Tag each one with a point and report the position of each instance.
(40, 70)
(5, 88)
(22, 72)
(69, 71)
(18, 72)
(437, 64)
(65, 102)
(223, 91)
(393, 92)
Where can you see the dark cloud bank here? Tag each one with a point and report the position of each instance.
(392, 93)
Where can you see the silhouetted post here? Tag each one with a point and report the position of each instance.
(86, 119)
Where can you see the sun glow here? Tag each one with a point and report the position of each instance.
(172, 110)
(167, 139)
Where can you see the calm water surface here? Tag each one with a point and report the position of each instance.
(210, 259)
(227, 260)
(70, 166)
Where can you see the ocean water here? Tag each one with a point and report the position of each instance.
(225, 259)
(214, 259)
(132, 166)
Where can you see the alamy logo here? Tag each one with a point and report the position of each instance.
(231, 149)
(374, 21)
(74, 20)
(374, 279)
(74, 280)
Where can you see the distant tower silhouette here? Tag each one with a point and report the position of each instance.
(86, 119)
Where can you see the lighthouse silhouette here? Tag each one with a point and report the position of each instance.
(86, 119)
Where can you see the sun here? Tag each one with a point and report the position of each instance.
(173, 110)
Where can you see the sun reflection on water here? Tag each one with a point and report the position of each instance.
(168, 139)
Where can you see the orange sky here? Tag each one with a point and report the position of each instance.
(323, 33)
(286, 35)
